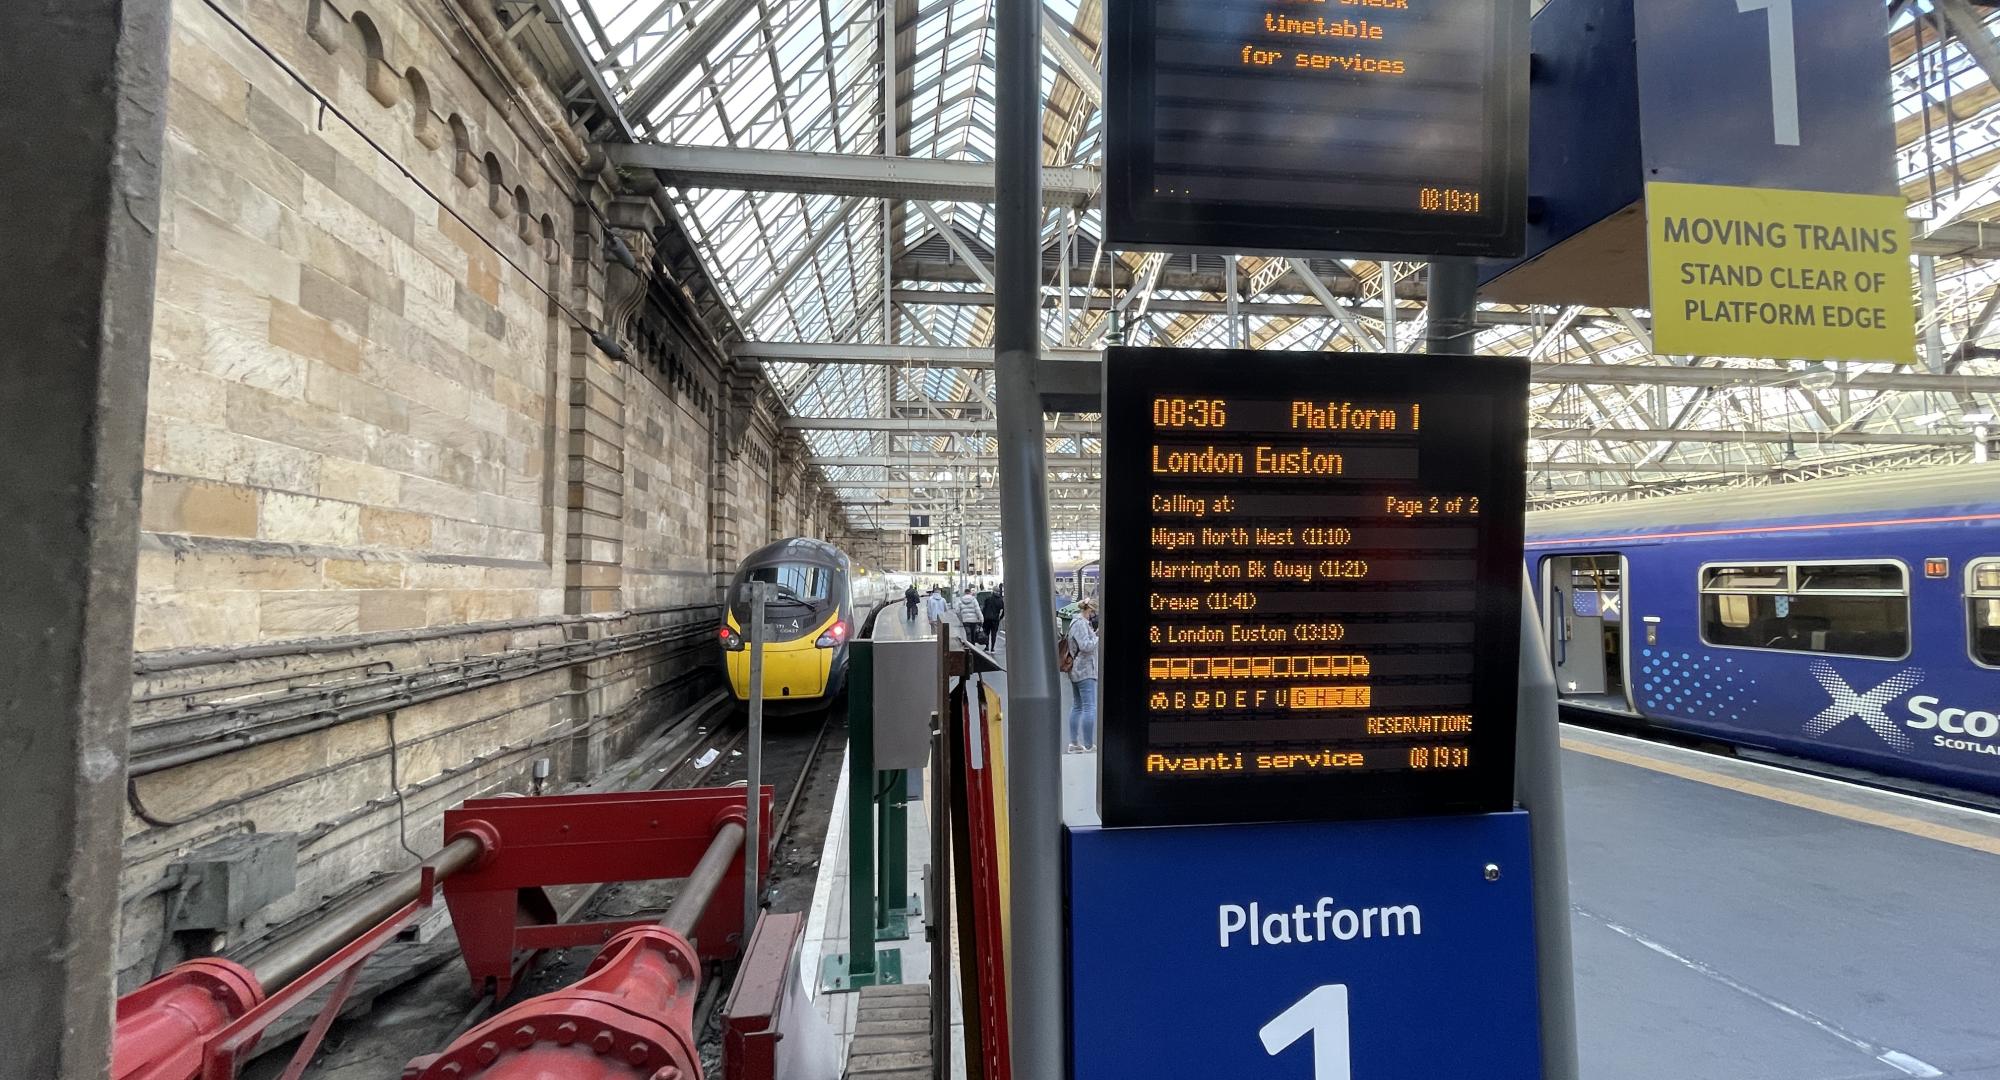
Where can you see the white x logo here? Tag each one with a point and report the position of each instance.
(1867, 706)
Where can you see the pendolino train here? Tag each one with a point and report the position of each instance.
(810, 619)
(1854, 621)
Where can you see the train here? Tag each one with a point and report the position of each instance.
(1852, 621)
(811, 620)
(1074, 581)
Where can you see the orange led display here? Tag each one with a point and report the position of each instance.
(1310, 126)
(1311, 585)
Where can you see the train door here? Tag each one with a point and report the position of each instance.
(1585, 606)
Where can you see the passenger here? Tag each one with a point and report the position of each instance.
(910, 604)
(1079, 658)
(934, 606)
(970, 619)
(990, 609)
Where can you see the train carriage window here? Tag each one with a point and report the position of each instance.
(1983, 601)
(1852, 609)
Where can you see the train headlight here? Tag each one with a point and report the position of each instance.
(835, 634)
(731, 640)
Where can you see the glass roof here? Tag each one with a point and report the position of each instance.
(810, 75)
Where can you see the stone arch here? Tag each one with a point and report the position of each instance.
(463, 164)
(497, 196)
(383, 83)
(525, 224)
(551, 249)
(425, 122)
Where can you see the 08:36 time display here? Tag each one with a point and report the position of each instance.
(1190, 412)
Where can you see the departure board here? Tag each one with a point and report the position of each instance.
(1312, 584)
(1393, 127)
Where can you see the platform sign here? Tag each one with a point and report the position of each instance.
(1306, 126)
(1744, 271)
(1775, 226)
(1311, 589)
(1393, 950)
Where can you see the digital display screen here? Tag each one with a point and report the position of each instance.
(1394, 127)
(1312, 588)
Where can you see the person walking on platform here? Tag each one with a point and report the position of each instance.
(990, 609)
(1078, 657)
(970, 619)
(934, 607)
(910, 604)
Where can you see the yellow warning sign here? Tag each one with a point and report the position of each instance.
(1808, 275)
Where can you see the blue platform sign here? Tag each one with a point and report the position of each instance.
(1790, 94)
(1373, 950)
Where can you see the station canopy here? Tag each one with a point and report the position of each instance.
(829, 162)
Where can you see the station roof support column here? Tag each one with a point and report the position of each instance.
(76, 305)
(1037, 983)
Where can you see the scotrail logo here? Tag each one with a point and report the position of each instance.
(1848, 704)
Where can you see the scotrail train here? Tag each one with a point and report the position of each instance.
(1853, 621)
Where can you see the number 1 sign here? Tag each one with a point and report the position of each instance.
(1321, 1014)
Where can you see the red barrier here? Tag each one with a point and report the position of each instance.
(631, 1017)
(164, 1026)
(498, 906)
(984, 979)
(750, 1017)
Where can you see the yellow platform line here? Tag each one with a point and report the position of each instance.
(1930, 831)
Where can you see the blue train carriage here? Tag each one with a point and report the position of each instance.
(1854, 621)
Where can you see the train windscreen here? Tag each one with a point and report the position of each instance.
(804, 597)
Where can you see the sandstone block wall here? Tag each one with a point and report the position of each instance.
(405, 529)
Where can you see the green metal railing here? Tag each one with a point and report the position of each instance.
(878, 904)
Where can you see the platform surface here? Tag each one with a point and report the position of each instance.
(826, 922)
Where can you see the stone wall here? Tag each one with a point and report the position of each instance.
(406, 529)
(350, 421)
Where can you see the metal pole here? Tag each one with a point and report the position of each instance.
(753, 786)
(1389, 306)
(1538, 789)
(1454, 284)
(1062, 272)
(689, 904)
(296, 955)
(1037, 989)
(1927, 316)
(1537, 743)
(1230, 305)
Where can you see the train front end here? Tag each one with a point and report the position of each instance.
(808, 623)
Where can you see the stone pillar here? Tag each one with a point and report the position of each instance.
(594, 553)
(734, 511)
(80, 180)
(600, 389)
